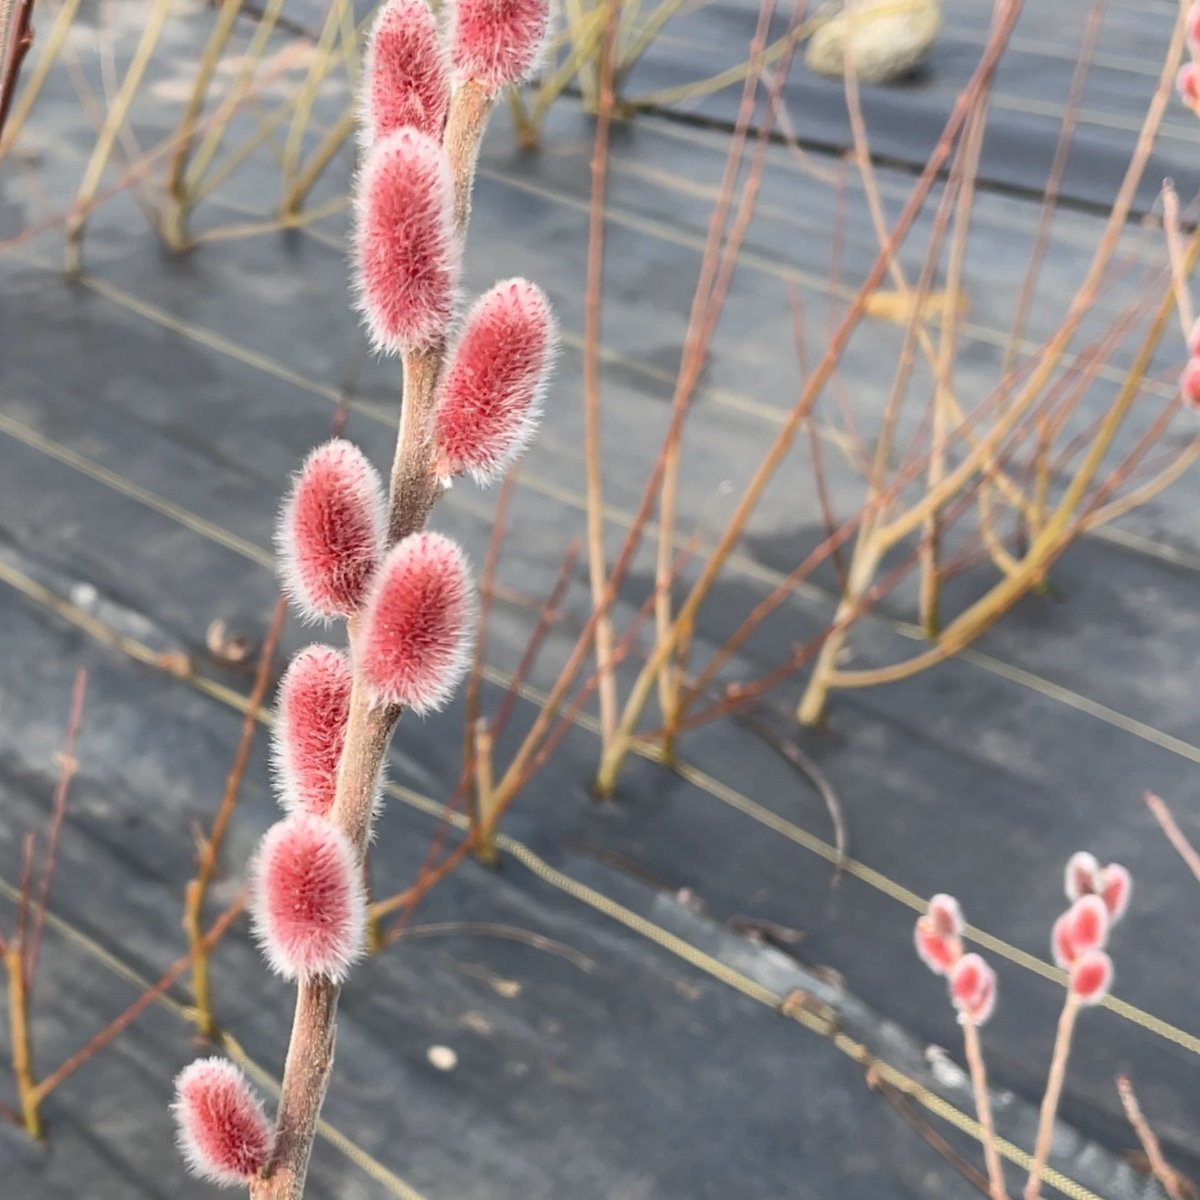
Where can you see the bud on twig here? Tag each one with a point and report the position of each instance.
(310, 728)
(406, 71)
(418, 621)
(307, 899)
(1091, 977)
(1187, 82)
(222, 1131)
(331, 531)
(938, 934)
(406, 254)
(1084, 926)
(1086, 877)
(498, 42)
(973, 988)
(491, 397)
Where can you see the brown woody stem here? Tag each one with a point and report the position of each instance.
(1054, 1086)
(414, 489)
(983, 1108)
(22, 1042)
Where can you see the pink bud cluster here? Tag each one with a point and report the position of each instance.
(409, 606)
(412, 608)
(1099, 897)
(223, 1134)
(407, 251)
(938, 938)
(1188, 80)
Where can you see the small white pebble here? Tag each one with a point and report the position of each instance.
(83, 595)
(442, 1057)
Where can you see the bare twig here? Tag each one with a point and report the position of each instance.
(487, 588)
(210, 844)
(16, 36)
(790, 750)
(414, 489)
(99, 1040)
(591, 374)
(1175, 835)
(1183, 296)
(67, 769)
(1163, 1171)
(20, 1032)
(508, 933)
(1050, 1099)
(983, 1107)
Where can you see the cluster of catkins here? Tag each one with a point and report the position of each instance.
(939, 943)
(1099, 897)
(409, 604)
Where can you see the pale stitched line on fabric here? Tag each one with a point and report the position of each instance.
(728, 795)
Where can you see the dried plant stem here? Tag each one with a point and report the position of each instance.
(174, 221)
(122, 1022)
(487, 592)
(12, 124)
(67, 766)
(716, 272)
(484, 828)
(862, 572)
(591, 382)
(135, 171)
(243, 85)
(918, 299)
(1163, 1171)
(968, 166)
(305, 179)
(21, 954)
(983, 1107)
(1055, 534)
(21, 1041)
(1050, 192)
(211, 843)
(611, 763)
(306, 97)
(1183, 296)
(16, 36)
(1175, 835)
(1050, 1099)
(584, 40)
(938, 361)
(666, 97)
(1052, 540)
(108, 134)
(413, 490)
